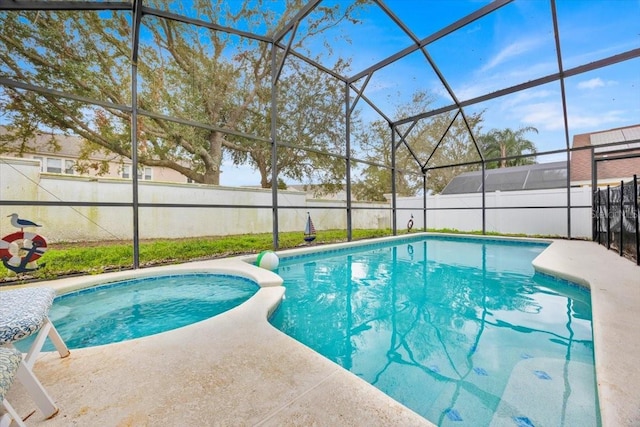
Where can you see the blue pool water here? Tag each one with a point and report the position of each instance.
(462, 331)
(136, 308)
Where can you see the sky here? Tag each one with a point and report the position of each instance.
(513, 45)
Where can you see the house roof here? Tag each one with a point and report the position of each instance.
(606, 143)
(60, 145)
(629, 134)
(54, 144)
(528, 177)
(624, 138)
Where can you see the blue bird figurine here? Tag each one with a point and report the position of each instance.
(21, 223)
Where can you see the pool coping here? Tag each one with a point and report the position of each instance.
(614, 283)
(615, 295)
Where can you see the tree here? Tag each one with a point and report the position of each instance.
(311, 118)
(184, 71)
(456, 147)
(501, 143)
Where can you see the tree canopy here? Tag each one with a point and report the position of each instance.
(503, 143)
(218, 86)
(217, 79)
(438, 141)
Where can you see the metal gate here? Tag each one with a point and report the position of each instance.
(616, 218)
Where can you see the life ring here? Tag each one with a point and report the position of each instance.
(410, 224)
(35, 244)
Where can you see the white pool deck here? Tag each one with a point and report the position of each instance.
(237, 370)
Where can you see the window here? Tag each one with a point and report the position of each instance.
(69, 167)
(54, 165)
(143, 173)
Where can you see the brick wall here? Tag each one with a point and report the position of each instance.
(613, 170)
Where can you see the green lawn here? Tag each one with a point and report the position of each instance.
(65, 259)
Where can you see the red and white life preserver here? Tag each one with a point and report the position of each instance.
(28, 241)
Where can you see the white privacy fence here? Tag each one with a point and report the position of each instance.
(532, 212)
(248, 211)
(232, 211)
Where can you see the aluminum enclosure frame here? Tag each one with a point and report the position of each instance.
(352, 96)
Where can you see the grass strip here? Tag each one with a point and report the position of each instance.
(75, 258)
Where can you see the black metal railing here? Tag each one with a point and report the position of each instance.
(616, 224)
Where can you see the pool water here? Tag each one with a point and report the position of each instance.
(136, 308)
(463, 332)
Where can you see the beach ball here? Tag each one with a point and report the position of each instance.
(268, 260)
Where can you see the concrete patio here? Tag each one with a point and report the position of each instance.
(236, 369)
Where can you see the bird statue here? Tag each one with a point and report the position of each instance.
(21, 223)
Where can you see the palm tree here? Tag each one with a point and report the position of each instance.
(498, 144)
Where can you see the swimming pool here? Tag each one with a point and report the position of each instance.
(462, 331)
(135, 308)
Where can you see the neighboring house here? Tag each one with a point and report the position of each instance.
(609, 172)
(60, 153)
(610, 143)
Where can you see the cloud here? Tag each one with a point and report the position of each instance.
(517, 99)
(595, 83)
(591, 84)
(477, 88)
(579, 58)
(513, 50)
(473, 29)
(548, 116)
(479, 84)
(596, 121)
(543, 115)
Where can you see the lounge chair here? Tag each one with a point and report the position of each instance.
(12, 366)
(24, 312)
